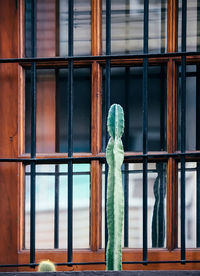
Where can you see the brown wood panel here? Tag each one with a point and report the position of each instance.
(95, 217)
(96, 27)
(96, 115)
(172, 30)
(128, 255)
(172, 180)
(9, 190)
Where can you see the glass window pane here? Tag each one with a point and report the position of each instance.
(191, 179)
(127, 26)
(192, 108)
(156, 204)
(52, 110)
(193, 25)
(52, 27)
(46, 178)
(127, 90)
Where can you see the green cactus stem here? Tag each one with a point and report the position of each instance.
(158, 220)
(115, 197)
(46, 266)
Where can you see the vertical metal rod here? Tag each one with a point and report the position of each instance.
(107, 99)
(33, 130)
(163, 24)
(198, 206)
(183, 128)
(56, 212)
(198, 129)
(197, 148)
(126, 203)
(145, 130)
(126, 175)
(70, 130)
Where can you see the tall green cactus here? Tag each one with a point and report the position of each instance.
(115, 197)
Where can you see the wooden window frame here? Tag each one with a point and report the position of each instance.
(13, 230)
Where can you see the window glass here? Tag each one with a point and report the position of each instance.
(193, 26)
(127, 26)
(47, 176)
(52, 28)
(156, 204)
(127, 90)
(192, 108)
(192, 178)
(52, 110)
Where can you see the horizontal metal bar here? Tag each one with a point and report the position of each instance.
(101, 57)
(100, 158)
(103, 172)
(103, 263)
(58, 174)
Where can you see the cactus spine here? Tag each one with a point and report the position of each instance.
(115, 197)
(46, 266)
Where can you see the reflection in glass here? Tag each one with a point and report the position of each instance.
(46, 178)
(193, 25)
(127, 90)
(127, 26)
(156, 204)
(52, 27)
(192, 107)
(191, 181)
(52, 110)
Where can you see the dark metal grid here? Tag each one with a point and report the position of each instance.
(70, 159)
(145, 129)
(33, 129)
(101, 57)
(149, 156)
(107, 101)
(126, 177)
(70, 130)
(183, 127)
(103, 263)
(56, 213)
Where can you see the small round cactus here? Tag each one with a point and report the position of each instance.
(46, 266)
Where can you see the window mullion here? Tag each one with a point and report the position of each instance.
(172, 170)
(172, 106)
(96, 114)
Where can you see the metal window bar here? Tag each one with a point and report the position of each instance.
(183, 127)
(198, 163)
(57, 175)
(145, 129)
(33, 130)
(107, 101)
(126, 177)
(56, 212)
(23, 61)
(126, 204)
(198, 131)
(198, 206)
(70, 130)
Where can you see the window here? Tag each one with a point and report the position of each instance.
(62, 64)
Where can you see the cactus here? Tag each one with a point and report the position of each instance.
(46, 266)
(115, 197)
(158, 220)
